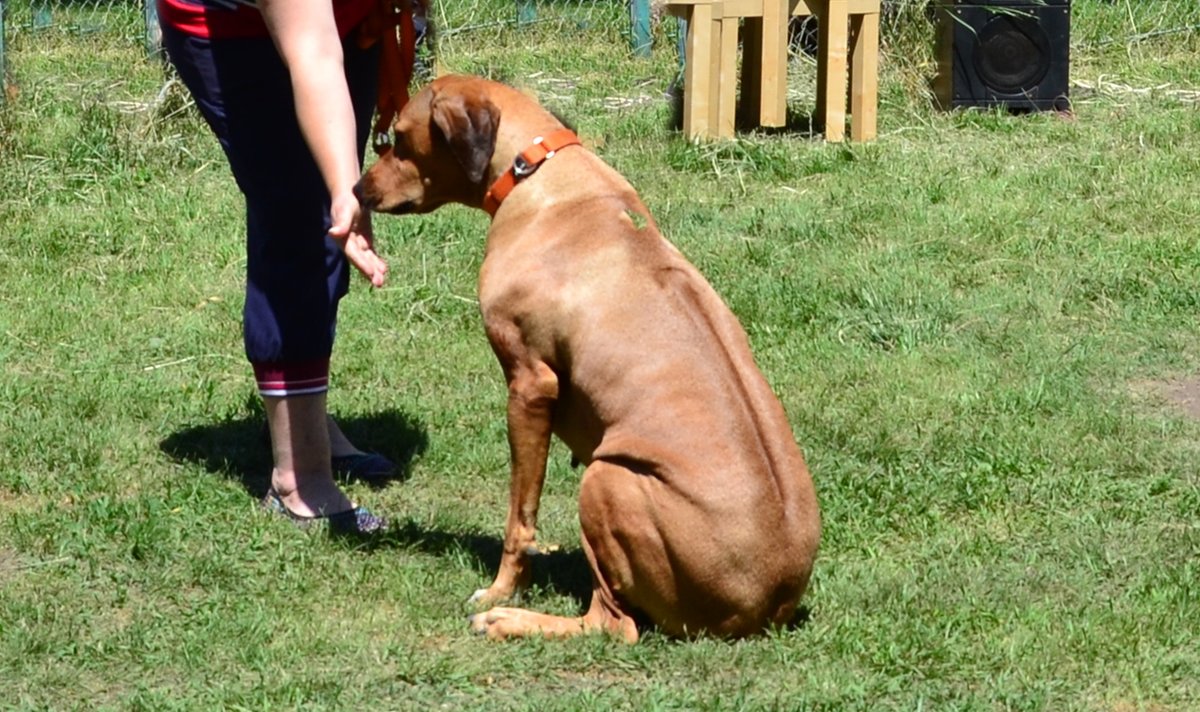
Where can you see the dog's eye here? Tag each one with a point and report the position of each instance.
(399, 144)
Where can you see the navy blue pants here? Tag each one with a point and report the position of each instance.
(295, 273)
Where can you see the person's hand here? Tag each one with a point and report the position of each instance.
(351, 228)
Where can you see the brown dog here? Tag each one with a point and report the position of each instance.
(696, 507)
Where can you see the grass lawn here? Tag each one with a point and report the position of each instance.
(980, 326)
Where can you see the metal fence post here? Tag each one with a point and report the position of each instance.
(3, 71)
(43, 16)
(526, 12)
(639, 22)
(153, 38)
(681, 43)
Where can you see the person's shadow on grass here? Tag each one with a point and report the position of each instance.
(239, 447)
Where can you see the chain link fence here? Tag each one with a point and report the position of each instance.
(464, 25)
(24, 20)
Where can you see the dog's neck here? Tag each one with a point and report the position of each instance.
(513, 137)
(523, 121)
(528, 161)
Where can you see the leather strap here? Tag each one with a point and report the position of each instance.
(525, 164)
(391, 23)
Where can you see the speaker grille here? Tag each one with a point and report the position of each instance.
(1013, 55)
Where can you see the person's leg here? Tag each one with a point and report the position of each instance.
(295, 275)
(300, 441)
(287, 320)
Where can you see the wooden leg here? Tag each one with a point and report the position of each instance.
(716, 26)
(697, 74)
(864, 77)
(832, 57)
(726, 104)
(773, 106)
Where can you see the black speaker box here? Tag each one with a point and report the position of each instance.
(1010, 53)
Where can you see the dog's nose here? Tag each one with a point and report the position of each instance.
(366, 201)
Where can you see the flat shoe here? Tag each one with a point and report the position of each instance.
(366, 466)
(358, 520)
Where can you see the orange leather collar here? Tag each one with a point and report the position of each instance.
(525, 164)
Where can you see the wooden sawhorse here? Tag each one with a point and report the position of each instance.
(847, 64)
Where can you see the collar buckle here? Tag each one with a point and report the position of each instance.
(522, 168)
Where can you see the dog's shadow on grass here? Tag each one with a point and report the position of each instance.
(563, 571)
(239, 448)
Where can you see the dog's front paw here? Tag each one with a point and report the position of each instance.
(504, 623)
(491, 623)
(510, 581)
(490, 596)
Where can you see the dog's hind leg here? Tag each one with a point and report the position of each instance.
(610, 564)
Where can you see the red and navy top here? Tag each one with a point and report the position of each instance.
(228, 19)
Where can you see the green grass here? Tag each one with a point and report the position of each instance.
(964, 320)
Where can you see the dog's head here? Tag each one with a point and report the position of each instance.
(441, 151)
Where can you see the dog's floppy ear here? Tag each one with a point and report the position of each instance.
(469, 125)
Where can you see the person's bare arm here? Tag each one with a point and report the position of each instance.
(306, 36)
